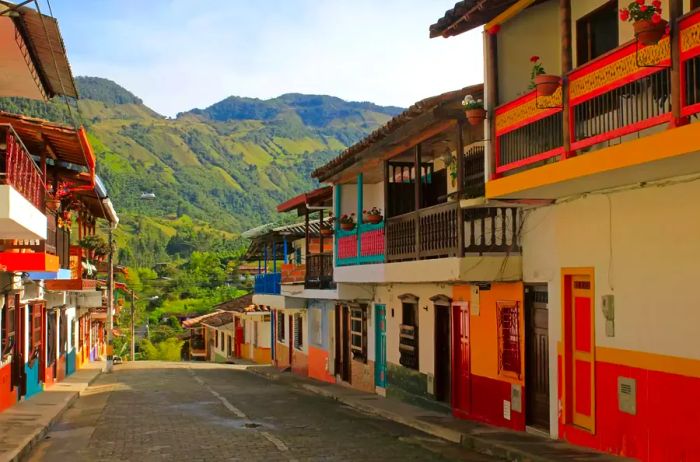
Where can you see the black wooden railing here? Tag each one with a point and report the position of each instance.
(434, 232)
(319, 271)
(473, 172)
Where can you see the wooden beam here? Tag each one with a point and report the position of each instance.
(566, 66)
(508, 14)
(418, 193)
(675, 11)
(491, 53)
(460, 190)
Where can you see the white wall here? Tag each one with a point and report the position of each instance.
(19, 219)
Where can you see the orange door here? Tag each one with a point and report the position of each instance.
(582, 347)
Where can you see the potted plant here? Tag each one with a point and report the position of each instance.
(96, 246)
(326, 228)
(54, 198)
(474, 109)
(546, 84)
(347, 222)
(65, 219)
(373, 215)
(646, 19)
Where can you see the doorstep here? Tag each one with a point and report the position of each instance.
(23, 425)
(486, 439)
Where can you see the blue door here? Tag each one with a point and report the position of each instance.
(380, 356)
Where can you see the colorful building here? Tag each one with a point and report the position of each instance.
(605, 172)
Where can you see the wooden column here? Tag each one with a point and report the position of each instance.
(675, 11)
(566, 66)
(418, 195)
(460, 188)
(360, 202)
(491, 55)
(274, 256)
(320, 250)
(386, 207)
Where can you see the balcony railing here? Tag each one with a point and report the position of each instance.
(57, 243)
(689, 26)
(362, 245)
(268, 283)
(319, 271)
(434, 232)
(623, 92)
(18, 169)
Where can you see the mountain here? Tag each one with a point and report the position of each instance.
(225, 166)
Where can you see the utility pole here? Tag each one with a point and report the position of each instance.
(133, 339)
(110, 304)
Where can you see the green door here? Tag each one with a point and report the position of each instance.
(380, 356)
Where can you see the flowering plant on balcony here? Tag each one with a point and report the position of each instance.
(347, 221)
(646, 19)
(326, 226)
(96, 246)
(546, 84)
(56, 195)
(474, 108)
(65, 220)
(373, 215)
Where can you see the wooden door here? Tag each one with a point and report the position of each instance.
(461, 370)
(380, 330)
(239, 335)
(580, 364)
(345, 332)
(443, 345)
(537, 357)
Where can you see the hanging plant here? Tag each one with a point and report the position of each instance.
(546, 84)
(474, 108)
(646, 19)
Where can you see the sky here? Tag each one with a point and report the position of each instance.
(180, 54)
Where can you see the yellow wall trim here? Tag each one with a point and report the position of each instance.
(670, 143)
(686, 367)
(509, 13)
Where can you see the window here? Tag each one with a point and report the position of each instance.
(35, 329)
(228, 347)
(216, 339)
(358, 332)
(298, 332)
(198, 338)
(597, 33)
(8, 326)
(408, 334)
(509, 337)
(63, 333)
(315, 327)
(280, 327)
(297, 256)
(255, 333)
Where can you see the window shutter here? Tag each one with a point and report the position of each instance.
(509, 337)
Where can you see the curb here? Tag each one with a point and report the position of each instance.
(467, 440)
(26, 449)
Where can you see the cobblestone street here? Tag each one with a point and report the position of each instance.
(203, 412)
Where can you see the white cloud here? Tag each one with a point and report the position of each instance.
(177, 55)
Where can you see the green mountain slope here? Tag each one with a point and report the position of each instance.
(226, 166)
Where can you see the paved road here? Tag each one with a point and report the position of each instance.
(199, 412)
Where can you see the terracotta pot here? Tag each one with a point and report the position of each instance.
(374, 219)
(547, 84)
(53, 204)
(649, 33)
(476, 116)
(326, 232)
(347, 226)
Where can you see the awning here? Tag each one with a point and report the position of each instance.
(318, 197)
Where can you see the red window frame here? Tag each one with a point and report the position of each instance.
(509, 355)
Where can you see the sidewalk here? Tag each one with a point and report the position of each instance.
(506, 444)
(23, 425)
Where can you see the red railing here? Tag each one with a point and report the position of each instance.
(528, 131)
(689, 36)
(622, 92)
(18, 169)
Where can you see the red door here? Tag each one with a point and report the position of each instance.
(238, 340)
(461, 395)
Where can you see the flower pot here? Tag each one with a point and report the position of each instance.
(53, 204)
(325, 232)
(476, 116)
(373, 219)
(649, 33)
(347, 226)
(547, 84)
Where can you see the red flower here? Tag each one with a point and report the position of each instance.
(643, 8)
(624, 15)
(640, 2)
(534, 59)
(657, 4)
(656, 18)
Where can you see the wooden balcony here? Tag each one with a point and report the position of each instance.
(362, 245)
(616, 98)
(319, 271)
(18, 169)
(268, 283)
(46, 255)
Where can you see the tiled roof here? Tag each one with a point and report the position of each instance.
(235, 304)
(220, 318)
(467, 15)
(349, 156)
(195, 322)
